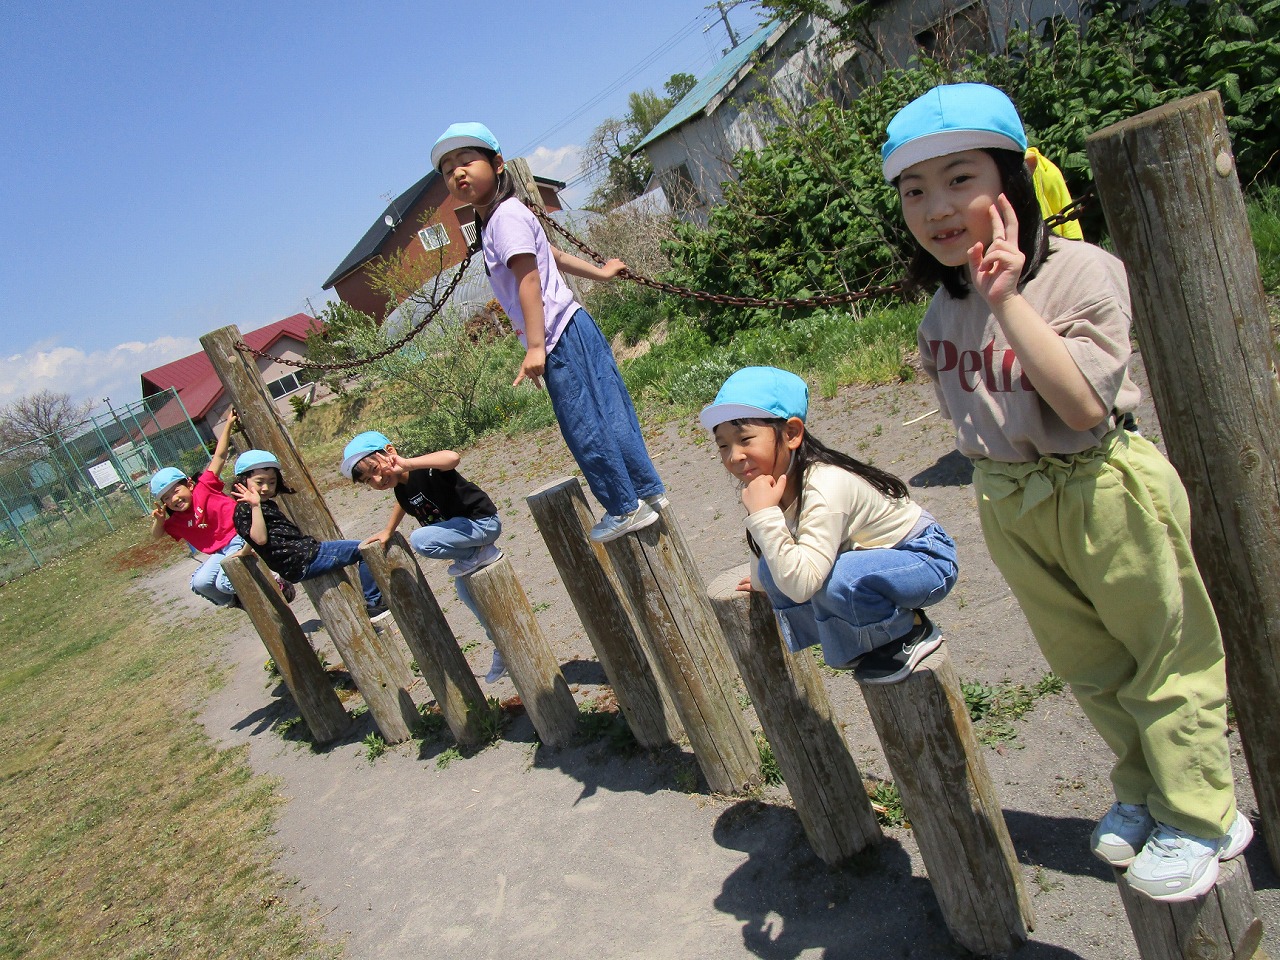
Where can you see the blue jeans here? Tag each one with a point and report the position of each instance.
(596, 418)
(210, 582)
(343, 553)
(869, 598)
(458, 538)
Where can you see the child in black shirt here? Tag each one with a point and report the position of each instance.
(458, 520)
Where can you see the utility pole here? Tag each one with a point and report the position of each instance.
(724, 17)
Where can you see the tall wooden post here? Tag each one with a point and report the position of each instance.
(379, 670)
(670, 603)
(799, 722)
(307, 681)
(429, 637)
(526, 188)
(1168, 185)
(533, 667)
(560, 511)
(928, 740)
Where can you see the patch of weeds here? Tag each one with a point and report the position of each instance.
(768, 762)
(447, 756)
(687, 777)
(470, 645)
(743, 698)
(540, 606)
(359, 711)
(292, 728)
(494, 719)
(413, 666)
(374, 746)
(886, 802)
(995, 708)
(272, 671)
(1043, 881)
(430, 724)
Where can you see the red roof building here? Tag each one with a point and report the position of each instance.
(200, 391)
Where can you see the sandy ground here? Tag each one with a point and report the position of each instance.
(587, 853)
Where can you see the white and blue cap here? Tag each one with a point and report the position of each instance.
(461, 135)
(371, 441)
(165, 480)
(755, 392)
(255, 460)
(948, 119)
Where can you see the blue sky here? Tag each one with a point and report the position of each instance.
(172, 168)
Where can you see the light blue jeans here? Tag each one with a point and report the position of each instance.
(596, 418)
(869, 598)
(343, 553)
(458, 538)
(209, 580)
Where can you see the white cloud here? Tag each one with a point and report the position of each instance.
(114, 372)
(560, 163)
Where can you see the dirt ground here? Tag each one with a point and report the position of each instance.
(585, 852)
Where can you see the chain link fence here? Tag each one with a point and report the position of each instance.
(79, 483)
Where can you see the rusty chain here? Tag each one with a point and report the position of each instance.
(1069, 212)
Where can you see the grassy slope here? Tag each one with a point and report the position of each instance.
(123, 832)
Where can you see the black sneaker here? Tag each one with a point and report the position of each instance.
(377, 612)
(895, 660)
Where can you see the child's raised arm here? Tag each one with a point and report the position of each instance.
(438, 460)
(219, 458)
(577, 267)
(158, 515)
(383, 535)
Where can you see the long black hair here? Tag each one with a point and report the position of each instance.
(812, 451)
(924, 273)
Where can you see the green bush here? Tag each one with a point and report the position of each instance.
(810, 212)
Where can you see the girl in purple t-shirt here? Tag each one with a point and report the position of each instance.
(564, 347)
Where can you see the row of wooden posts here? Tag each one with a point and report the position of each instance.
(666, 643)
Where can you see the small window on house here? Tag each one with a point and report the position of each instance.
(962, 30)
(434, 237)
(469, 231)
(286, 384)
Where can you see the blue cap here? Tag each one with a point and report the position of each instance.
(948, 119)
(758, 392)
(255, 460)
(463, 135)
(165, 480)
(371, 441)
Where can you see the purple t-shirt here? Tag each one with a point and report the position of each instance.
(512, 230)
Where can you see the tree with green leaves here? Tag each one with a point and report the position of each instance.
(608, 153)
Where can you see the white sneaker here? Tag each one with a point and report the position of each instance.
(611, 527)
(497, 668)
(1121, 833)
(486, 555)
(658, 500)
(1176, 866)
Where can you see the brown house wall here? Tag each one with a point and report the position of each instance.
(435, 204)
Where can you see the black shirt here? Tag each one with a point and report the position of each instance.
(288, 551)
(430, 496)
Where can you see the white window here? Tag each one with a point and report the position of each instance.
(434, 237)
(286, 384)
(469, 231)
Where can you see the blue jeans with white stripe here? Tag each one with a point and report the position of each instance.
(870, 597)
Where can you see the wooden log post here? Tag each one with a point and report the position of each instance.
(799, 723)
(1173, 203)
(1221, 925)
(526, 190)
(303, 675)
(533, 667)
(429, 638)
(379, 670)
(560, 511)
(928, 740)
(670, 603)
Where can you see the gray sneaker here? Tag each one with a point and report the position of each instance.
(612, 527)
(893, 662)
(497, 668)
(1121, 833)
(484, 556)
(1175, 865)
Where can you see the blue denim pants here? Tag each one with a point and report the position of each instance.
(458, 538)
(869, 598)
(209, 580)
(596, 418)
(343, 553)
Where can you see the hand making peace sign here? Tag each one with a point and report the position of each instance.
(996, 270)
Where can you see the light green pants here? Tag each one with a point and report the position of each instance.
(1096, 548)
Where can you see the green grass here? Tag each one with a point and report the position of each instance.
(995, 708)
(124, 832)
